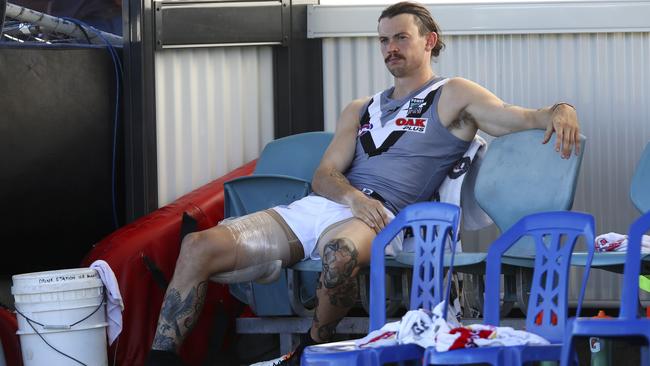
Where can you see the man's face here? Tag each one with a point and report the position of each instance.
(403, 48)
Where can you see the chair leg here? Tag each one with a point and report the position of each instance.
(568, 357)
(645, 355)
(524, 279)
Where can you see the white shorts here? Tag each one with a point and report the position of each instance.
(310, 216)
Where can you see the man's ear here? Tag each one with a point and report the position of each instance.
(432, 39)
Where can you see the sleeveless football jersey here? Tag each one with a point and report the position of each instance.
(403, 152)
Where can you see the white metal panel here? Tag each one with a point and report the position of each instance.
(465, 18)
(605, 75)
(214, 112)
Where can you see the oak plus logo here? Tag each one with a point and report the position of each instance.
(418, 125)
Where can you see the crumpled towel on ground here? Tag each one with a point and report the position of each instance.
(416, 326)
(429, 329)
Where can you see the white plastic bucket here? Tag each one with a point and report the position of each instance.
(57, 300)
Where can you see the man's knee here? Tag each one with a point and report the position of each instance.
(340, 262)
(203, 247)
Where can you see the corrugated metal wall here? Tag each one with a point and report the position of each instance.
(214, 109)
(604, 75)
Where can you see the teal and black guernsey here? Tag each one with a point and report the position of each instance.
(403, 151)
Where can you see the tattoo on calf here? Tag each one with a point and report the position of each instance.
(327, 331)
(164, 343)
(178, 316)
(345, 294)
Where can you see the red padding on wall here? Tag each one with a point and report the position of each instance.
(156, 236)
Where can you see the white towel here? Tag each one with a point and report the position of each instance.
(614, 242)
(458, 187)
(386, 336)
(423, 327)
(429, 329)
(115, 305)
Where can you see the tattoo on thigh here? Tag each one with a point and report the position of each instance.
(339, 260)
(176, 311)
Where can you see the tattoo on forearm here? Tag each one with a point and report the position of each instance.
(338, 177)
(178, 316)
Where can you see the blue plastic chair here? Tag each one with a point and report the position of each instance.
(282, 175)
(627, 324)
(555, 235)
(433, 225)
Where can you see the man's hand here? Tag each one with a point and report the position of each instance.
(564, 122)
(370, 211)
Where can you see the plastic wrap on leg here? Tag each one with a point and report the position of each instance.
(261, 249)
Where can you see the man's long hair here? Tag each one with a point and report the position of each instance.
(423, 20)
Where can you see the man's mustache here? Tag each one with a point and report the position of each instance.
(395, 55)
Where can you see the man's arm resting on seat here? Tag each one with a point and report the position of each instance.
(329, 180)
(478, 108)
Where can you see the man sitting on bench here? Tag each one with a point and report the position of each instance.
(389, 150)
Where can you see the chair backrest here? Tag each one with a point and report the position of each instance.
(555, 235)
(629, 301)
(520, 176)
(282, 174)
(432, 225)
(640, 187)
(296, 155)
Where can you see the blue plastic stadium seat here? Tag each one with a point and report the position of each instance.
(520, 176)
